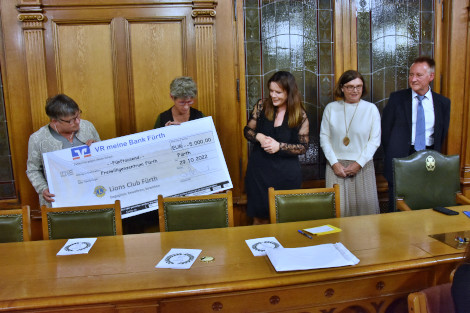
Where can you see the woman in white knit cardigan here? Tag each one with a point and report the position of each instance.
(349, 136)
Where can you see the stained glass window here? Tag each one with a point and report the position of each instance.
(7, 184)
(390, 35)
(295, 36)
(298, 36)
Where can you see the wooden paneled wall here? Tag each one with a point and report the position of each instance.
(117, 59)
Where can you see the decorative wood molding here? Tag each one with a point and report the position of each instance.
(465, 178)
(31, 14)
(206, 62)
(26, 17)
(203, 12)
(36, 69)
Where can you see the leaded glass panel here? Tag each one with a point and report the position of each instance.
(296, 36)
(7, 183)
(390, 35)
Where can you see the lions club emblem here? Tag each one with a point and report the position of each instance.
(430, 163)
(100, 191)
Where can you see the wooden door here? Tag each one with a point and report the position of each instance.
(116, 59)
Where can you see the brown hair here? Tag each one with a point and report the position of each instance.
(295, 107)
(61, 106)
(346, 78)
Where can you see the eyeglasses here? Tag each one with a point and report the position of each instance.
(351, 87)
(73, 119)
(184, 102)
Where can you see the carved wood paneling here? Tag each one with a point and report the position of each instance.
(205, 59)
(157, 51)
(84, 66)
(104, 56)
(466, 104)
(35, 61)
(455, 53)
(32, 24)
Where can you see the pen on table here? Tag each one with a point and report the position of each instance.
(305, 234)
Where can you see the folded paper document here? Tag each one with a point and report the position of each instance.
(307, 258)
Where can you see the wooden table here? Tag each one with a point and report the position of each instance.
(118, 275)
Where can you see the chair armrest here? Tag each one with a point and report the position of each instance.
(461, 199)
(417, 302)
(402, 206)
(452, 275)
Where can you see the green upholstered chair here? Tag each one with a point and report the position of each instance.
(303, 204)
(195, 212)
(427, 179)
(15, 225)
(81, 221)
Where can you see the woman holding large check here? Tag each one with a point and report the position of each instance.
(183, 90)
(66, 129)
(279, 130)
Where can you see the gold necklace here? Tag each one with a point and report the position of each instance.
(346, 139)
(70, 138)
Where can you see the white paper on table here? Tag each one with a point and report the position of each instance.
(77, 246)
(319, 229)
(259, 246)
(179, 258)
(307, 258)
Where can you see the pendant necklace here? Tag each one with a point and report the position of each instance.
(70, 138)
(346, 139)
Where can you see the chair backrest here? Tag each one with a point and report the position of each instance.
(195, 212)
(433, 299)
(81, 221)
(15, 224)
(426, 179)
(303, 204)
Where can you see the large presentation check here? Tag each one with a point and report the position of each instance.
(177, 160)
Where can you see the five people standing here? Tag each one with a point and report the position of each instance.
(414, 119)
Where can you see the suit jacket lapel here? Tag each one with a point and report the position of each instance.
(437, 112)
(407, 103)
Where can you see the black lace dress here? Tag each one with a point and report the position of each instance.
(280, 170)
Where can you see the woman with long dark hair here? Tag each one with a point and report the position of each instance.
(279, 130)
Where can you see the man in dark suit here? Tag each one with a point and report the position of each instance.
(400, 120)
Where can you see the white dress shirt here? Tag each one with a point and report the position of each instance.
(428, 107)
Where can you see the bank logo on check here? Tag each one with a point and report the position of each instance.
(79, 152)
(100, 191)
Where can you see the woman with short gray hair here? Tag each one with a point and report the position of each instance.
(183, 91)
(66, 129)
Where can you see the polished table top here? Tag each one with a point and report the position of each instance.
(123, 267)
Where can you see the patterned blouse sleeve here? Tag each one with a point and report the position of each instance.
(303, 138)
(250, 129)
